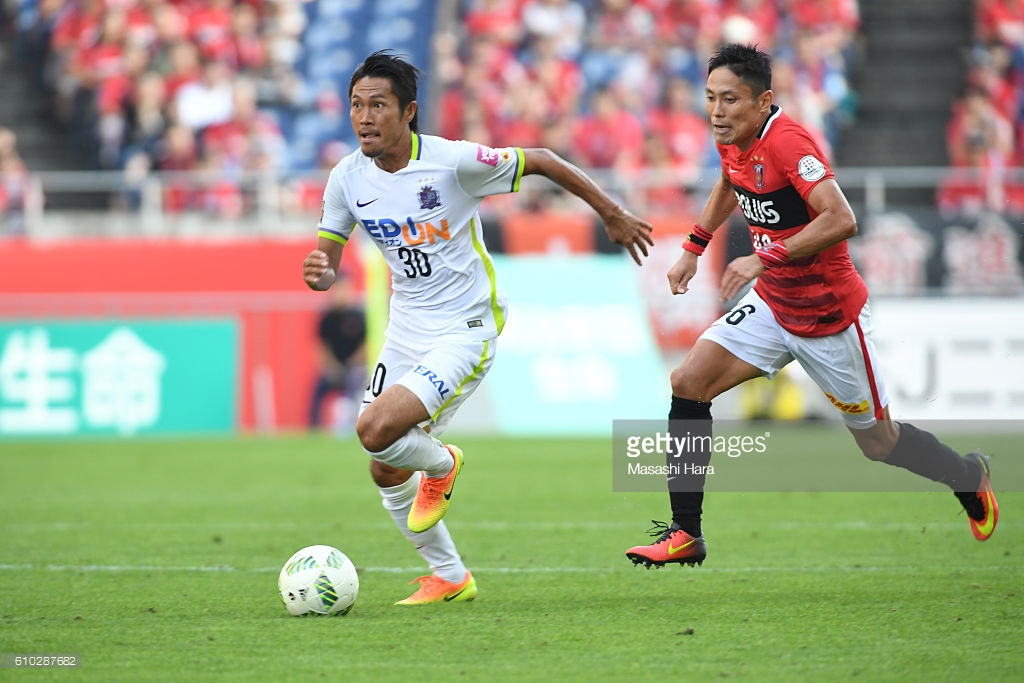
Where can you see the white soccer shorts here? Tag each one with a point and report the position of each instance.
(442, 373)
(843, 365)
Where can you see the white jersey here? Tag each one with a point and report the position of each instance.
(425, 220)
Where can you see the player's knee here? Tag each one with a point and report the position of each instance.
(877, 448)
(875, 451)
(373, 433)
(685, 385)
(877, 442)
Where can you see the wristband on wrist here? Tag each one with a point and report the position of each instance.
(698, 240)
(773, 254)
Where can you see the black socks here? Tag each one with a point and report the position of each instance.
(923, 454)
(686, 490)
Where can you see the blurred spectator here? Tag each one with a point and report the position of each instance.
(1000, 21)
(146, 118)
(113, 99)
(679, 125)
(833, 22)
(13, 181)
(179, 153)
(210, 28)
(92, 65)
(495, 19)
(609, 136)
(739, 16)
(208, 101)
(305, 193)
(183, 66)
(620, 30)
(248, 141)
(171, 31)
(664, 193)
(563, 21)
(980, 143)
(341, 335)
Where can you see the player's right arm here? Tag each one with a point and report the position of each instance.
(720, 204)
(320, 267)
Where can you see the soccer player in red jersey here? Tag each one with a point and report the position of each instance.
(809, 304)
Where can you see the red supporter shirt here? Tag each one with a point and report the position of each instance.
(814, 296)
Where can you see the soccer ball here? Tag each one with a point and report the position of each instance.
(318, 580)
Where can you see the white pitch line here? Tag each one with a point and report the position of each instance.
(847, 525)
(497, 570)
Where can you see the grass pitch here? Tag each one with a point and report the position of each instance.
(158, 561)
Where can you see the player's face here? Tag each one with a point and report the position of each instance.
(380, 124)
(736, 114)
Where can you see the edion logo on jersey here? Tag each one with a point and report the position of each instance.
(390, 232)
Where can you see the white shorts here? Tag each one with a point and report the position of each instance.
(843, 365)
(442, 374)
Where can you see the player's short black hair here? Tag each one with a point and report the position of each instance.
(402, 75)
(753, 66)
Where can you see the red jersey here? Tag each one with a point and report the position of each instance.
(813, 296)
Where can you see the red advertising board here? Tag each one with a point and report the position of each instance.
(258, 282)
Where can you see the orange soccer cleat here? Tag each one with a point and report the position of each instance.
(433, 495)
(982, 508)
(673, 545)
(435, 589)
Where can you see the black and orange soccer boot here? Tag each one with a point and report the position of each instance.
(672, 545)
(981, 506)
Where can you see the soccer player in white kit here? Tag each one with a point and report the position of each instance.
(417, 197)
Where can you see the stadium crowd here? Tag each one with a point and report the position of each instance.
(193, 85)
(618, 85)
(985, 135)
(171, 85)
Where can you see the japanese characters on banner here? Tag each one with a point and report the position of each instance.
(137, 337)
(125, 378)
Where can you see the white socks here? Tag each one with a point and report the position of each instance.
(417, 450)
(435, 545)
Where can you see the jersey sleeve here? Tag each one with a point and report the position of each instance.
(485, 171)
(336, 220)
(805, 165)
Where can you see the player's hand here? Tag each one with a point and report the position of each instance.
(316, 271)
(631, 232)
(680, 274)
(738, 273)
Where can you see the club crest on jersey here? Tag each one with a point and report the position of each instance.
(759, 176)
(429, 198)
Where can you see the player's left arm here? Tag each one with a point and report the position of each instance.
(622, 226)
(834, 223)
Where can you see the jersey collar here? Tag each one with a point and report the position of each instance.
(416, 147)
(773, 114)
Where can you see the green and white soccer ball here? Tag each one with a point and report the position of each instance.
(319, 579)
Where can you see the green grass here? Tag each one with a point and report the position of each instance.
(158, 560)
